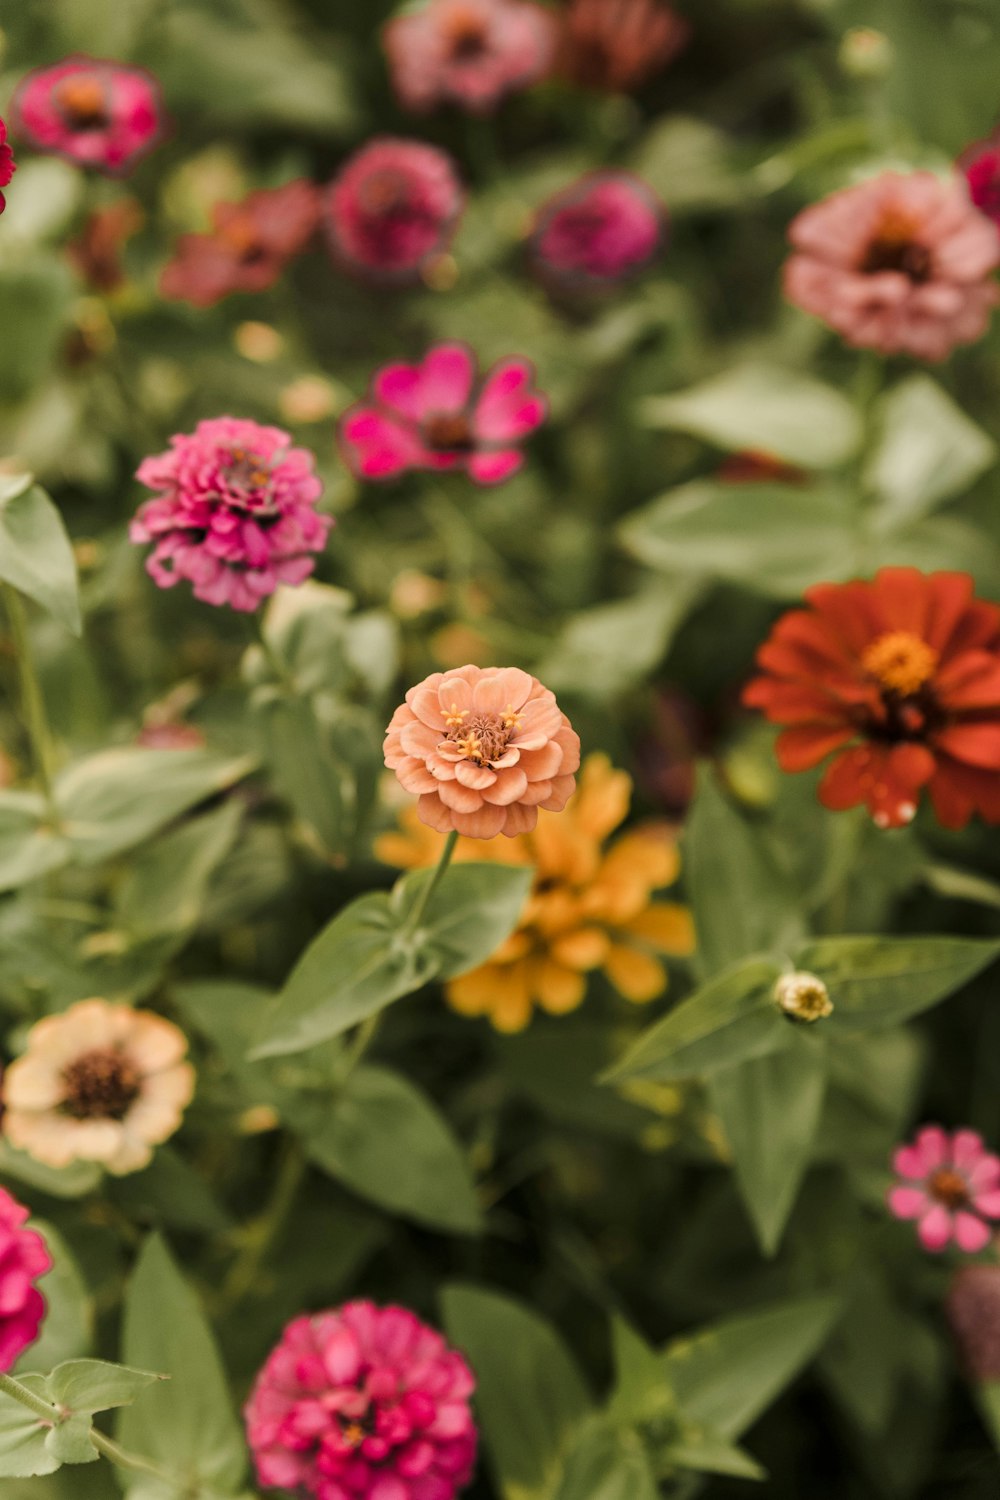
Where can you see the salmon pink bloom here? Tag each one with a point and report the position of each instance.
(483, 748)
(93, 112)
(363, 1403)
(981, 166)
(898, 679)
(248, 248)
(619, 44)
(468, 52)
(234, 514)
(899, 263)
(392, 209)
(24, 1257)
(602, 229)
(97, 250)
(436, 415)
(7, 164)
(950, 1185)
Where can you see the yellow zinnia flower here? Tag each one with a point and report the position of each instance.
(591, 905)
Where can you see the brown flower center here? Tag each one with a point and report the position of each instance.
(900, 662)
(482, 738)
(100, 1085)
(895, 247)
(949, 1187)
(448, 432)
(384, 193)
(353, 1434)
(83, 101)
(466, 35)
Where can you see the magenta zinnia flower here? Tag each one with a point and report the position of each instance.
(248, 247)
(981, 165)
(23, 1258)
(951, 1186)
(364, 1403)
(435, 415)
(92, 111)
(899, 263)
(601, 229)
(234, 512)
(392, 208)
(468, 52)
(7, 164)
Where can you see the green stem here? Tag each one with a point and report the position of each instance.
(36, 1404)
(417, 914)
(52, 1416)
(32, 702)
(262, 1233)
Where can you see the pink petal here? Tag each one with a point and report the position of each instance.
(987, 1203)
(446, 377)
(378, 446)
(935, 1228)
(907, 1202)
(507, 408)
(493, 466)
(971, 1234)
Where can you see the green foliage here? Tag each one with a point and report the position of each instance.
(35, 553)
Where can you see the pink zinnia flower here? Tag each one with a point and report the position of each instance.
(601, 229)
(951, 1187)
(94, 112)
(435, 415)
(483, 748)
(363, 1403)
(248, 247)
(981, 165)
(392, 208)
(7, 164)
(468, 52)
(23, 1258)
(899, 263)
(234, 512)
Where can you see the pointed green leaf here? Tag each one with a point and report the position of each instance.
(473, 910)
(164, 891)
(710, 1452)
(607, 1463)
(36, 556)
(928, 450)
(92, 1385)
(881, 981)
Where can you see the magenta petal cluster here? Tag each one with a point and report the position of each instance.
(468, 52)
(23, 1258)
(363, 1403)
(393, 208)
(950, 1185)
(981, 165)
(92, 111)
(438, 415)
(234, 514)
(601, 229)
(7, 164)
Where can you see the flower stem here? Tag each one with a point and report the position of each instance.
(424, 900)
(37, 1404)
(52, 1416)
(32, 703)
(261, 1234)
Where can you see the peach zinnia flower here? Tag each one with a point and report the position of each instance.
(483, 749)
(591, 906)
(100, 1082)
(899, 263)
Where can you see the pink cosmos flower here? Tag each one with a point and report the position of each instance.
(7, 164)
(601, 229)
(23, 1258)
(899, 263)
(363, 1403)
(951, 1186)
(92, 111)
(483, 748)
(234, 512)
(248, 247)
(392, 208)
(468, 52)
(435, 415)
(981, 166)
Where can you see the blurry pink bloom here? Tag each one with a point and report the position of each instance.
(601, 229)
(435, 415)
(898, 263)
(973, 1309)
(468, 52)
(363, 1403)
(234, 512)
(96, 251)
(981, 165)
(951, 1187)
(248, 247)
(7, 164)
(483, 748)
(23, 1258)
(619, 44)
(94, 112)
(392, 208)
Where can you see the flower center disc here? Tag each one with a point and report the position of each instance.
(949, 1187)
(466, 35)
(448, 432)
(384, 193)
(100, 1085)
(894, 247)
(900, 661)
(83, 102)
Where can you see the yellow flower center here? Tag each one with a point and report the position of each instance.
(100, 1085)
(900, 662)
(353, 1434)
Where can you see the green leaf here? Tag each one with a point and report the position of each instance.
(74, 1181)
(687, 162)
(386, 1141)
(603, 651)
(530, 1396)
(36, 556)
(188, 1426)
(928, 450)
(606, 1463)
(881, 981)
(770, 1110)
(164, 891)
(70, 1441)
(28, 849)
(710, 1452)
(301, 768)
(24, 1451)
(762, 407)
(92, 1385)
(641, 1392)
(987, 1398)
(474, 909)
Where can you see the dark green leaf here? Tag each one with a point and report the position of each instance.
(36, 556)
(166, 884)
(881, 981)
(473, 910)
(606, 1463)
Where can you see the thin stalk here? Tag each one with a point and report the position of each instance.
(32, 703)
(262, 1233)
(417, 914)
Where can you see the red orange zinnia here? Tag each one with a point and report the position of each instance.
(899, 679)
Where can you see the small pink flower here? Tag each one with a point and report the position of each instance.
(23, 1258)
(951, 1187)
(468, 52)
(981, 166)
(392, 208)
(248, 247)
(435, 415)
(234, 512)
(601, 229)
(92, 111)
(363, 1403)
(7, 164)
(899, 263)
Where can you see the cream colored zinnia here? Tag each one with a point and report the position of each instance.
(100, 1082)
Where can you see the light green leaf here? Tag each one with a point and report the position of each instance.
(607, 1463)
(36, 556)
(928, 450)
(603, 651)
(881, 981)
(92, 1385)
(688, 163)
(708, 1451)
(74, 1181)
(24, 1451)
(70, 1442)
(165, 888)
(28, 849)
(473, 910)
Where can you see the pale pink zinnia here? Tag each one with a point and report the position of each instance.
(601, 229)
(363, 1403)
(235, 512)
(24, 1257)
(393, 208)
(437, 415)
(468, 52)
(92, 111)
(951, 1186)
(483, 748)
(900, 263)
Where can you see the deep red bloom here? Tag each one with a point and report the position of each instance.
(981, 165)
(248, 248)
(392, 208)
(7, 164)
(90, 110)
(898, 679)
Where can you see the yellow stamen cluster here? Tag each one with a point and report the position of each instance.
(900, 661)
(471, 746)
(803, 996)
(455, 717)
(511, 719)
